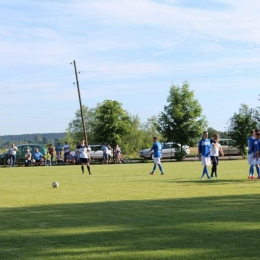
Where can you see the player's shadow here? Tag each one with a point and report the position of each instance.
(183, 228)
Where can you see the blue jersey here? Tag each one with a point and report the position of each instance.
(204, 147)
(250, 144)
(157, 148)
(255, 146)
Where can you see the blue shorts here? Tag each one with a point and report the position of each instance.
(105, 156)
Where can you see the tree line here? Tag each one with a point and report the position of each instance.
(181, 121)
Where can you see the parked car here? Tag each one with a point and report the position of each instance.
(96, 152)
(168, 150)
(22, 148)
(228, 147)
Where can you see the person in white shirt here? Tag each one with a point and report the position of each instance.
(28, 158)
(12, 155)
(84, 151)
(215, 150)
(66, 149)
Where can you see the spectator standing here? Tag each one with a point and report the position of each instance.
(51, 152)
(204, 153)
(66, 149)
(58, 148)
(105, 148)
(118, 154)
(47, 159)
(28, 158)
(12, 155)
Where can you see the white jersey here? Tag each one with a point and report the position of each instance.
(83, 151)
(66, 148)
(215, 149)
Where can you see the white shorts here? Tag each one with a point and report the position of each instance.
(205, 161)
(157, 160)
(250, 159)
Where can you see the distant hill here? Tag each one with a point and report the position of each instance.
(29, 138)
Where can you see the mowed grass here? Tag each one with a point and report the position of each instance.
(121, 212)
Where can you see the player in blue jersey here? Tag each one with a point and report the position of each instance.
(250, 152)
(157, 154)
(256, 153)
(204, 153)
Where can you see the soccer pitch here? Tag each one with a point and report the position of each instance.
(121, 212)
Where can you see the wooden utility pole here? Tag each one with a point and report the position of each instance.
(82, 115)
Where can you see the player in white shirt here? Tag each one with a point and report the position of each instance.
(84, 151)
(214, 154)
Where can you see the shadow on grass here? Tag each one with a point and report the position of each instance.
(214, 181)
(195, 228)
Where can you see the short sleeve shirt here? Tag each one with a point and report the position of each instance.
(204, 147)
(157, 148)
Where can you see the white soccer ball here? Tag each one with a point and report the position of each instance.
(55, 184)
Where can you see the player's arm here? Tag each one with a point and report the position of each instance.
(199, 148)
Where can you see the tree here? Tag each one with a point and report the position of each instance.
(182, 120)
(74, 132)
(46, 140)
(240, 125)
(112, 122)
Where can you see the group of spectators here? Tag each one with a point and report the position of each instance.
(58, 155)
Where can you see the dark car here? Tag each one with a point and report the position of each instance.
(22, 148)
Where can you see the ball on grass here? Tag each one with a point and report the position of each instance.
(55, 184)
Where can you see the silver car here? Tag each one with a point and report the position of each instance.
(168, 150)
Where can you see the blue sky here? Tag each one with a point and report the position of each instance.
(131, 51)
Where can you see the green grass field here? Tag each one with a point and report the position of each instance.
(121, 212)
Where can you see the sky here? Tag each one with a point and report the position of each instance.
(131, 51)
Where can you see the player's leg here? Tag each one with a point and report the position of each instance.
(154, 166)
(250, 159)
(160, 166)
(205, 162)
(212, 168)
(88, 167)
(82, 165)
(216, 166)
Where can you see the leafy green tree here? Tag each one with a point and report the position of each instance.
(240, 125)
(133, 139)
(74, 132)
(112, 122)
(46, 140)
(182, 120)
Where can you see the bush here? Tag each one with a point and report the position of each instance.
(180, 155)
